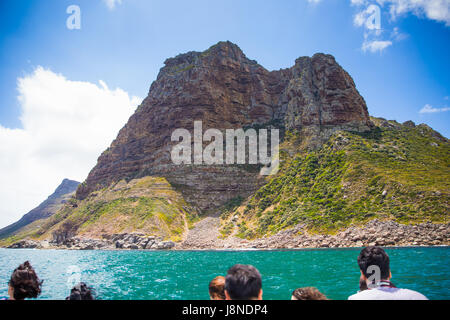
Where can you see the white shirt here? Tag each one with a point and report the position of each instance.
(386, 293)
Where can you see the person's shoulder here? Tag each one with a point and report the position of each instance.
(362, 295)
(353, 296)
(408, 294)
(388, 294)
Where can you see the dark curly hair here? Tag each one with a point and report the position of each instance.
(374, 256)
(25, 282)
(308, 293)
(81, 292)
(243, 282)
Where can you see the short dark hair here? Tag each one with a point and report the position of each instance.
(243, 282)
(217, 288)
(81, 292)
(308, 293)
(25, 282)
(374, 256)
(362, 284)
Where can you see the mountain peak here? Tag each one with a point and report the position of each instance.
(66, 186)
(47, 208)
(222, 53)
(226, 90)
(227, 48)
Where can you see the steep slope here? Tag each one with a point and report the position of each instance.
(394, 172)
(148, 205)
(47, 208)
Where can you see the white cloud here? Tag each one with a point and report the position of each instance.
(378, 35)
(397, 35)
(375, 45)
(429, 109)
(438, 10)
(66, 125)
(369, 18)
(111, 4)
(360, 18)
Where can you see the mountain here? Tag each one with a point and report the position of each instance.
(225, 90)
(47, 208)
(339, 167)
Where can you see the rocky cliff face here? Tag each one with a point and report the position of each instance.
(47, 208)
(225, 90)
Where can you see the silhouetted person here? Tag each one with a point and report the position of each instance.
(81, 292)
(308, 293)
(217, 288)
(374, 265)
(24, 283)
(243, 282)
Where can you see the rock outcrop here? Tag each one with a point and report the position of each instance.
(25, 244)
(139, 241)
(225, 90)
(120, 241)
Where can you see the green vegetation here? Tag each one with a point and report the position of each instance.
(148, 205)
(231, 205)
(227, 209)
(179, 68)
(398, 173)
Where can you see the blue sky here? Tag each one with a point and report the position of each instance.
(50, 75)
(127, 45)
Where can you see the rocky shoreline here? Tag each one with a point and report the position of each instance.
(375, 232)
(122, 241)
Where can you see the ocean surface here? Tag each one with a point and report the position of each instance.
(186, 274)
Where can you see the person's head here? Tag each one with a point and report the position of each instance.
(81, 292)
(308, 293)
(243, 282)
(371, 258)
(217, 288)
(24, 283)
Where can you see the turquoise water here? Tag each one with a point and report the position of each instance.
(186, 274)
